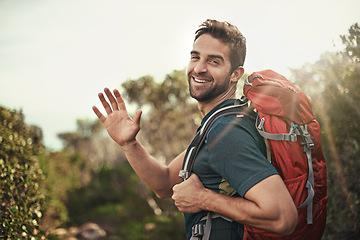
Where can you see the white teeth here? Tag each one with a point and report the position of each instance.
(199, 80)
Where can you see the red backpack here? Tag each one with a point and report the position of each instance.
(293, 137)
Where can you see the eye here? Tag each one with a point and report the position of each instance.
(194, 57)
(214, 61)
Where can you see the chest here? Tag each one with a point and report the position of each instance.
(209, 176)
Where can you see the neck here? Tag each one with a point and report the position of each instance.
(207, 106)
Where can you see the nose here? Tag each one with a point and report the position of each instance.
(200, 67)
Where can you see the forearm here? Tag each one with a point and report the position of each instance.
(154, 174)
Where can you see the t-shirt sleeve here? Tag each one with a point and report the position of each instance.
(236, 155)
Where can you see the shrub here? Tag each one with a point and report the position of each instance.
(20, 177)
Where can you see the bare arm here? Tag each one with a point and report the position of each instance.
(123, 130)
(267, 205)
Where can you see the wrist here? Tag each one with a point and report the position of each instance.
(207, 199)
(128, 146)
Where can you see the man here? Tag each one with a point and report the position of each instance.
(231, 175)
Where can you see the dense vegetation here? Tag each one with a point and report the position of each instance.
(91, 181)
(21, 176)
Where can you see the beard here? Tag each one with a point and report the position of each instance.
(209, 90)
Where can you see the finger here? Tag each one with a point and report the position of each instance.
(137, 117)
(99, 114)
(112, 99)
(119, 99)
(105, 104)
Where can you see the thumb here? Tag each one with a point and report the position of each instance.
(137, 117)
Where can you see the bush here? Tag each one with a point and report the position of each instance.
(116, 200)
(63, 172)
(21, 177)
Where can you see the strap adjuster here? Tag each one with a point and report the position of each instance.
(307, 139)
(198, 230)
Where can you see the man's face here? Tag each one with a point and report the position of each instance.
(209, 68)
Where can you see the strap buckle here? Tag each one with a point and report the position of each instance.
(184, 174)
(307, 139)
(198, 230)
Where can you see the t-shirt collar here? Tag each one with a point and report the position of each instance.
(225, 103)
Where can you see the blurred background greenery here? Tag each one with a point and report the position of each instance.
(90, 181)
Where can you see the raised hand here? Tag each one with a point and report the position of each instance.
(121, 128)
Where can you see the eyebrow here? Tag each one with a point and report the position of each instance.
(194, 52)
(210, 56)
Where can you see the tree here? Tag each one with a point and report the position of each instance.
(333, 85)
(352, 43)
(90, 140)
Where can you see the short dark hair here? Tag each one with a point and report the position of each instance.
(227, 33)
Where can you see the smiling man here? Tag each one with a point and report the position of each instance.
(231, 175)
(211, 77)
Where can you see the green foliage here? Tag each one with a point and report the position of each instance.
(117, 186)
(116, 200)
(63, 172)
(333, 85)
(21, 178)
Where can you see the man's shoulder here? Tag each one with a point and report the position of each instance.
(234, 124)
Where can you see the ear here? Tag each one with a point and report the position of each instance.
(237, 74)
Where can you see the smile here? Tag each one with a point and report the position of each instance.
(200, 80)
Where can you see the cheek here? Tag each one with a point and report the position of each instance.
(219, 76)
(190, 68)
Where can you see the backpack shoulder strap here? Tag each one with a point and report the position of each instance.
(240, 108)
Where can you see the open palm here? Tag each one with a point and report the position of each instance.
(120, 126)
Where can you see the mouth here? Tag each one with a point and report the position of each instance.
(200, 80)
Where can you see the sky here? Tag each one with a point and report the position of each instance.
(56, 56)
